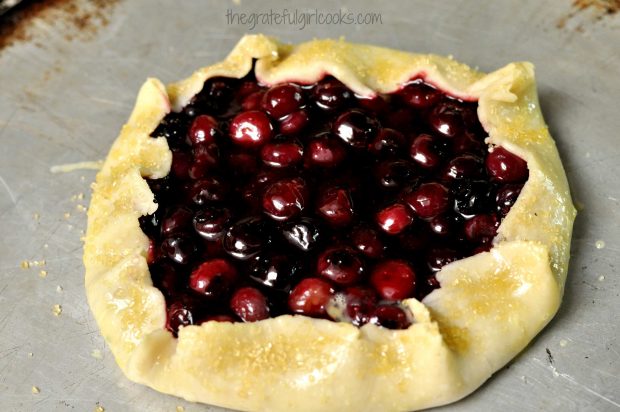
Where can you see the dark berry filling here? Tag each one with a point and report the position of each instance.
(308, 199)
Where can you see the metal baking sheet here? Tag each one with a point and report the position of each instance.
(65, 94)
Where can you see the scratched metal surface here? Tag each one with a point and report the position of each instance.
(64, 101)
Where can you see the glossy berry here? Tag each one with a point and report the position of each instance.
(388, 143)
(506, 197)
(178, 315)
(211, 222)
(285, 199)
(204, 129)
(176, 221)
(209, 190)
(331, 95)
(445, 224)
(310, 297)
(251, 129)
(428, 152)
(213, 277)
(393, 279)
(283, 154)
(359, 304)
(464, 167)
(282, 100)
(180, 248)
(447, 119)
(429, 200)
(325, 151)
(340, 265)
(355, 128)
(367, 241)
(246, 238)
(335, 207)
(305, 234)
(394, 218)
(419, 95)
(273, 270)
(506, 167)
(390, 316)
(294, 123)
(249, 304)
(474, 197)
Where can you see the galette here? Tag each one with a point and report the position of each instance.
(328, 227)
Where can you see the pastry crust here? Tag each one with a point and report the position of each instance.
(488, 308)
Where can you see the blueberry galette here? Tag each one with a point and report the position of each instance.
(328, 226)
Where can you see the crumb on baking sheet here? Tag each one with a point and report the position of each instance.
(43, 273)
(99, 408)
(27, 264)
(600, 244)
(35, 390)
(56, 310)
(96, 353)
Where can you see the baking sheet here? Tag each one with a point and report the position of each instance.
(65, 95)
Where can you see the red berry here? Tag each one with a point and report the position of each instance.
(282, 154)
(335, 207)
(294, 123)
(310, 297)
(429, 200)
(204, 129)
(393, 279)
(419, 96)
(506, 167)
(251, 129)
(367, 241)
(325, 151)
(340, 265)
(391, 317)
(282, 100)
(249, 304)
(285, 199)
(394, 219)
(213, 277)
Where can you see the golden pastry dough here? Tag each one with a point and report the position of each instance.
(488, 308)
